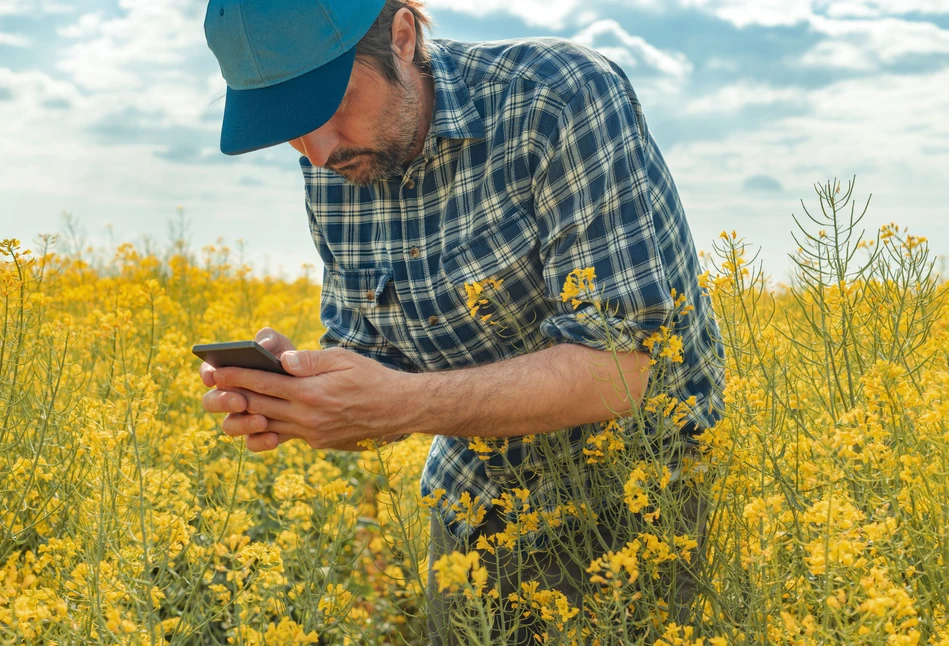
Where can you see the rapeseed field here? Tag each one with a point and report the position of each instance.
(127, 516)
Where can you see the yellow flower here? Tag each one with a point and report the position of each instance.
(431, 500)
(551, 605)
(459, 571)
(481, 447)
(617, 568)
(476, 295)
(606, 445)
(288, 633)
(635, 493)
(578, 287)
(266, 556)
(467, 510)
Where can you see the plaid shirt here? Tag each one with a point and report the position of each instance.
(537, 161)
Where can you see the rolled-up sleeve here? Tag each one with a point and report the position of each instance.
(593, 203)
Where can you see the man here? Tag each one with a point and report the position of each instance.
(430, 164)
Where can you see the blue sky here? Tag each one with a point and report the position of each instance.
(111, 110)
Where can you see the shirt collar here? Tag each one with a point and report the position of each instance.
(455, 115)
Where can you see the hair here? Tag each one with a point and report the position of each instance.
(375, 48)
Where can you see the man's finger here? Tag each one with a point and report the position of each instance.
(273, 341)
(244, 424)
(224, 401)
(270, 342)
(271, 407)
(265, 441)
(260, 381)
(207, 374)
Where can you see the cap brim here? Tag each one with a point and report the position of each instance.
(255, 119)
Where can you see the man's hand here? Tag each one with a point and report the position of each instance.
(334, 399)
(234, 403)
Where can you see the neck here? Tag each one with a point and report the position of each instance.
(427, 94)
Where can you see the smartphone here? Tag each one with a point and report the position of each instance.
(239, 354)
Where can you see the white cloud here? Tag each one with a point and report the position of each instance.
(148, 37)
(552, 14)
(769, 13)
(832, 53)
(137, 60)
(15, 7)
(733, 98)
(852, 9)
(865, 44)
(860, 34)
(614, 42)
(716, 63)
(774, 13)
(32, 89)
(14, 40)
(876, 8)
(88, 26)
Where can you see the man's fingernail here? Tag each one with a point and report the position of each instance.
(292, 360)
(265, 340)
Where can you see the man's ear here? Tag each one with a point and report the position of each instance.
(403, 35)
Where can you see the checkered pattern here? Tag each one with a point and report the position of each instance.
(538, 161)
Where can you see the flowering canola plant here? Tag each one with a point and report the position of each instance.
(128, 516)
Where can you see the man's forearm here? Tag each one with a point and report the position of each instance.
(559, 387)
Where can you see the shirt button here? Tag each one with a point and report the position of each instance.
(371, 295)
(414, 252)
(410, 184)
(433, 320)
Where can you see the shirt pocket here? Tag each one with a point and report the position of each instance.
(506, 250)
(365, 290)
(493, 250)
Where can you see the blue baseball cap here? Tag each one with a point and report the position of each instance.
(287, 64)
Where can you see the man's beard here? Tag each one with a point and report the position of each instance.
(388, 158)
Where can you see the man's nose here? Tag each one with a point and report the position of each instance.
(319, 145)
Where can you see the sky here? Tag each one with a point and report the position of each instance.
(110, 111)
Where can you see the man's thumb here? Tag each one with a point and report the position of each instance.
(291, 362)
(306, 363)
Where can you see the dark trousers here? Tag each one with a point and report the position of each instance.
(555, 568)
